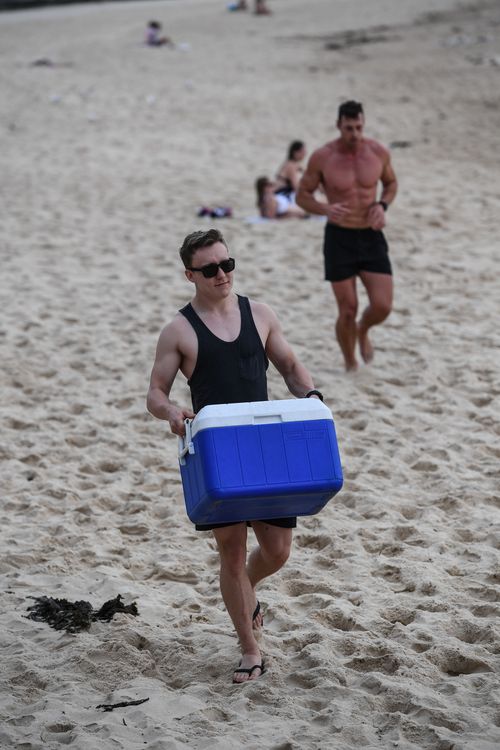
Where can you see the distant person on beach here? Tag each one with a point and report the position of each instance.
(350, 169)
(221, 342)
(290, 172)
(274, 204)
(261, 8)
(153, 35)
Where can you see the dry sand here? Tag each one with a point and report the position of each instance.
(382, 631)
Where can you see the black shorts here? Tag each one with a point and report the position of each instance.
(349, 251)
(284, 523)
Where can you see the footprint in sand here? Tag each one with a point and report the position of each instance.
(135, 529)
(470, 632)
(422, 642)
(485, 593)
(313, 541)
(80, 441)
(454, 663)
(335, 618)
(404, 615)
(179, 574)
(77, 409)
(302, 588)
(403, 532)
(423, 465)
(485, 610)
(19, 424)
(391, 572)
(58, 729)
(385, 662)
(110, 467)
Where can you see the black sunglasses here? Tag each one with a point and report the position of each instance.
(212, 269)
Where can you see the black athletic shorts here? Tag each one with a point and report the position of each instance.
(283, 523)
(349, 251)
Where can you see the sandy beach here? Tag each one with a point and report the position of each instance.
(382, 631)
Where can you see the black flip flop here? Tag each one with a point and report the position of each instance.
(249, 671)
(256, 612)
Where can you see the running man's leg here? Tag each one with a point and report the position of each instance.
(379, 287)
(345, 327)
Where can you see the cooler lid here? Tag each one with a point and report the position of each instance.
(260, 412)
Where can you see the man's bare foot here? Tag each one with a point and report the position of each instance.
(250, 668)
(351, 366)
(257, 617)
(365, 346)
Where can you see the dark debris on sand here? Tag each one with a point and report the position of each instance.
(354, 38)
(73, 617)
(123, 704)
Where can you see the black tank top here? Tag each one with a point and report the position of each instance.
(228, 372)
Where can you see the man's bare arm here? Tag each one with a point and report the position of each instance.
(310, 182)
(166, 366)
(376, 213)
(389, 182)
(297, 378)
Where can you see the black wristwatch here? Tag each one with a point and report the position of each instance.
(384, 205)
(314, 392)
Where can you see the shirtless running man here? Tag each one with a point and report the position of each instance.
(349, 170)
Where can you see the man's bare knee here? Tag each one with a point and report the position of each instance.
(277, 555)
(232, 564)
(281, 556)
(232, 552)
(381, 310)
(347, 313)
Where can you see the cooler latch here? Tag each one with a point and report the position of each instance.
(185, 444)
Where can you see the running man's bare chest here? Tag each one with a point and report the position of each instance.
(343, 173)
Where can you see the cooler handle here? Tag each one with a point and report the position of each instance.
(185, 444)
(267, 418)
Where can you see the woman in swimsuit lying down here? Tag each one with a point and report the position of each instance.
(273, 205)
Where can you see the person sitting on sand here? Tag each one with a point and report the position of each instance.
(290, 172)
(276, 205)
(260, 8)
(153, 38)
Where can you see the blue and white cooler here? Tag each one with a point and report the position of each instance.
(264, 459)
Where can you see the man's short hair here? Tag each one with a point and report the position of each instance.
(351, 109)
(196, 240)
